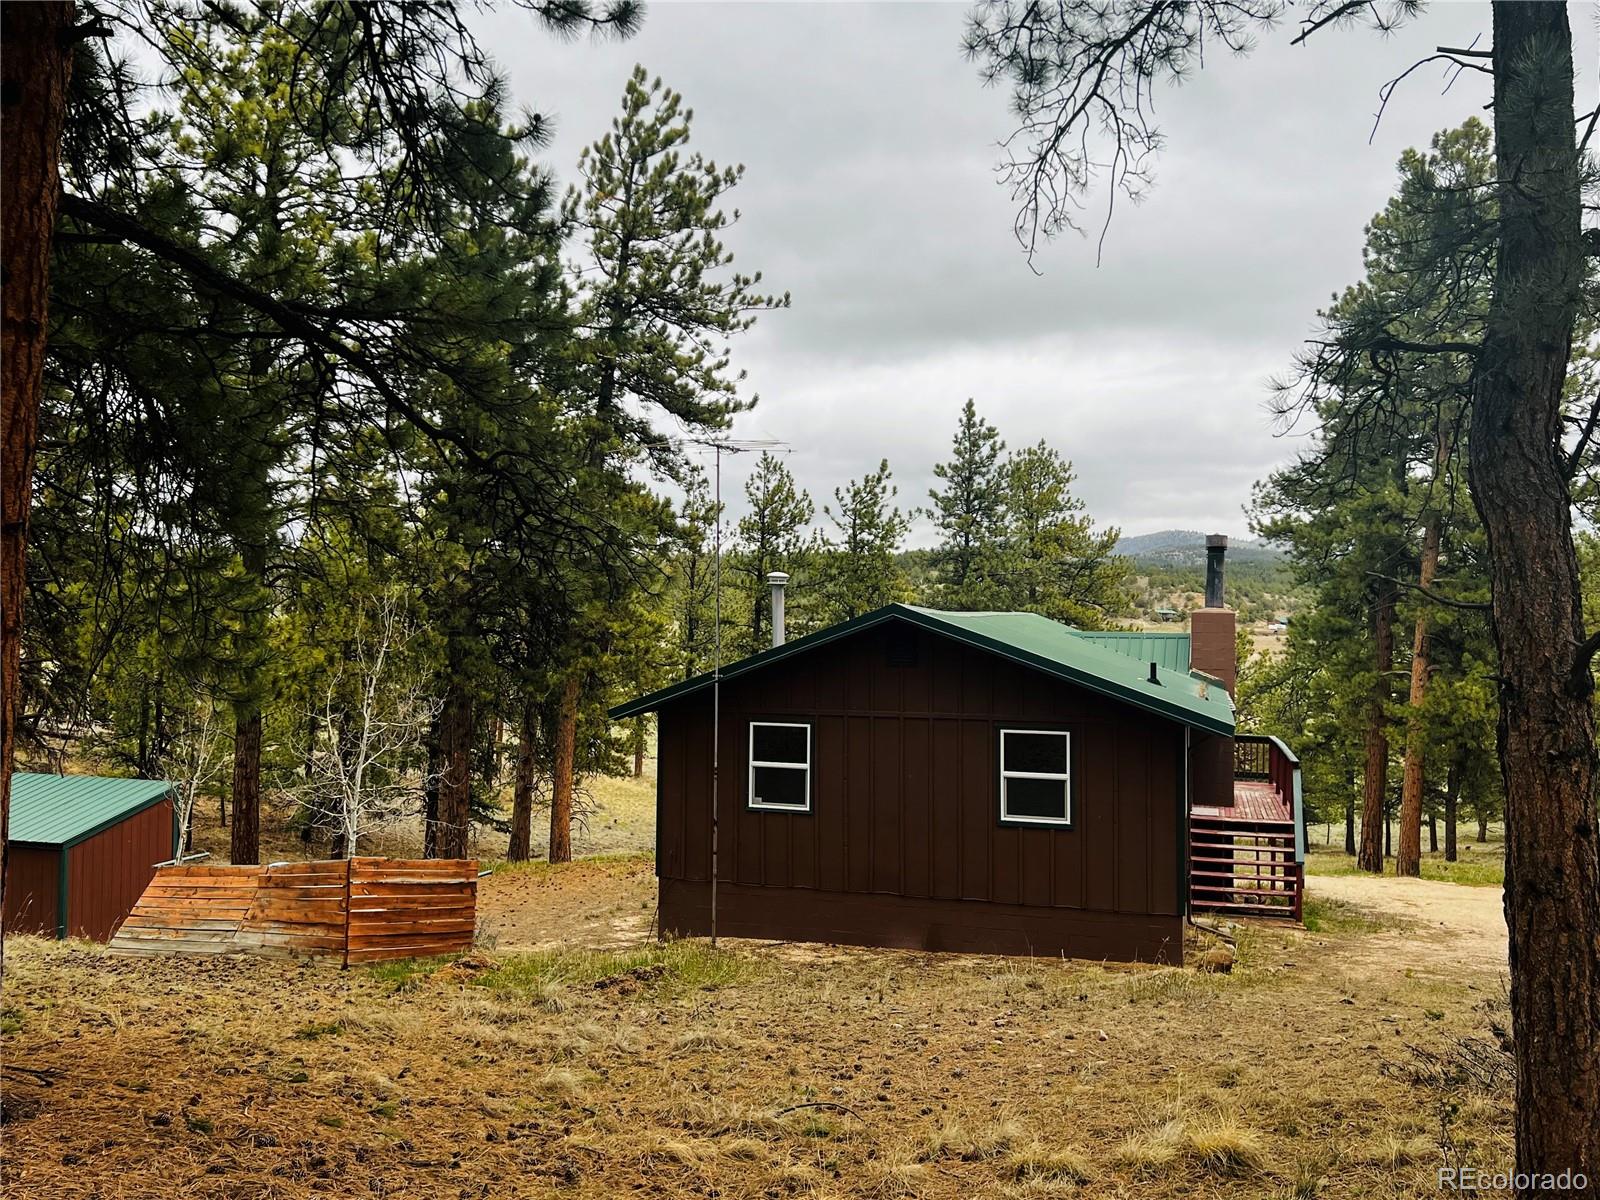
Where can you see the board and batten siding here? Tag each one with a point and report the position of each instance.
(108, 871)
(33, 889)
(903, 844)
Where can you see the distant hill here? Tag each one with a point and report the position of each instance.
(1187, 548)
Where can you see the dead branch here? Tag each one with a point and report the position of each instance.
(1465, 605)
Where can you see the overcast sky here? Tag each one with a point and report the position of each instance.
(870, 195)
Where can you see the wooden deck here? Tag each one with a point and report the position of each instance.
(1242, 859)
(1254, 800)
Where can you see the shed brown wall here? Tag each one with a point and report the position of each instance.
(903, 845)
(107, 873)
(33, 883)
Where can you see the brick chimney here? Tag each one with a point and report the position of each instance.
(1213, 630)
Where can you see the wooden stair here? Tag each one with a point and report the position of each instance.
(1244, 867)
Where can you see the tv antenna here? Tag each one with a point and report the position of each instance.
(720, 446)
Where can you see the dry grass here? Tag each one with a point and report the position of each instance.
(954, 1139)
(1051, 1165)
(756, 1071)
(1215, 1144)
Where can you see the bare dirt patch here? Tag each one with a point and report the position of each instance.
(600, 903)
(1445, 927)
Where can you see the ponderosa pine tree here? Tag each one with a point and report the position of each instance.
(1083, 74)
(773, 535)
(857, 570)
(1055, 563)
(656, 303)
(970, 515)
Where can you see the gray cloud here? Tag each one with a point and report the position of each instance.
(870, 194)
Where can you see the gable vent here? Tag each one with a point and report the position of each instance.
(900, 648)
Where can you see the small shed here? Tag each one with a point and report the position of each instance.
(81, 850)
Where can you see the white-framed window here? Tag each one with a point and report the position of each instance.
(1036, 776)
(780, 766)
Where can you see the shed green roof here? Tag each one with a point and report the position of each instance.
(62, 810)
(1027, 638)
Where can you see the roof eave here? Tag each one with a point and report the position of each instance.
(1090, 682)
(79, 838)
(654, 700)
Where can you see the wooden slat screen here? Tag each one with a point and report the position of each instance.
(410, 908)
(356, 910)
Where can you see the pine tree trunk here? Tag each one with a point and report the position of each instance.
(1433, 837)
(430, 793)
(1374, 822)
(244, 842)
(1452, 792)
(521, 846)
(158, 750)
(1350, 815)
(1409, 860)
(455, 774)
(563, 770)
(1520, 486)
(640, 734)
(142, 754)
(34, 72)
(1483, 829)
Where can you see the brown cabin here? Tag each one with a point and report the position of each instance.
(989, 782)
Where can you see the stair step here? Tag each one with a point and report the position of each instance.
(1251, 910)
(1220, 889)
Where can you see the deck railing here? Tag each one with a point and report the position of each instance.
(1261, 756)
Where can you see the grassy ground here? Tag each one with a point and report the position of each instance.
(598, 1064)
(1476, 865)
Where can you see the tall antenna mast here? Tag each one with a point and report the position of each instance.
(732, 446)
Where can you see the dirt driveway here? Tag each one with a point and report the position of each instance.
(1445, 926)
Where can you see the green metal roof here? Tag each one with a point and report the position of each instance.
(1171, 650)
(62, 810)
(1027, 638)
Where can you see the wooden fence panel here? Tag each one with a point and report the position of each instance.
(356, 910)
(410, 908)
(189, 910)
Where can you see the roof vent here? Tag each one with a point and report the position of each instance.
(777, 581)
(900, 649)
(1154, 678)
